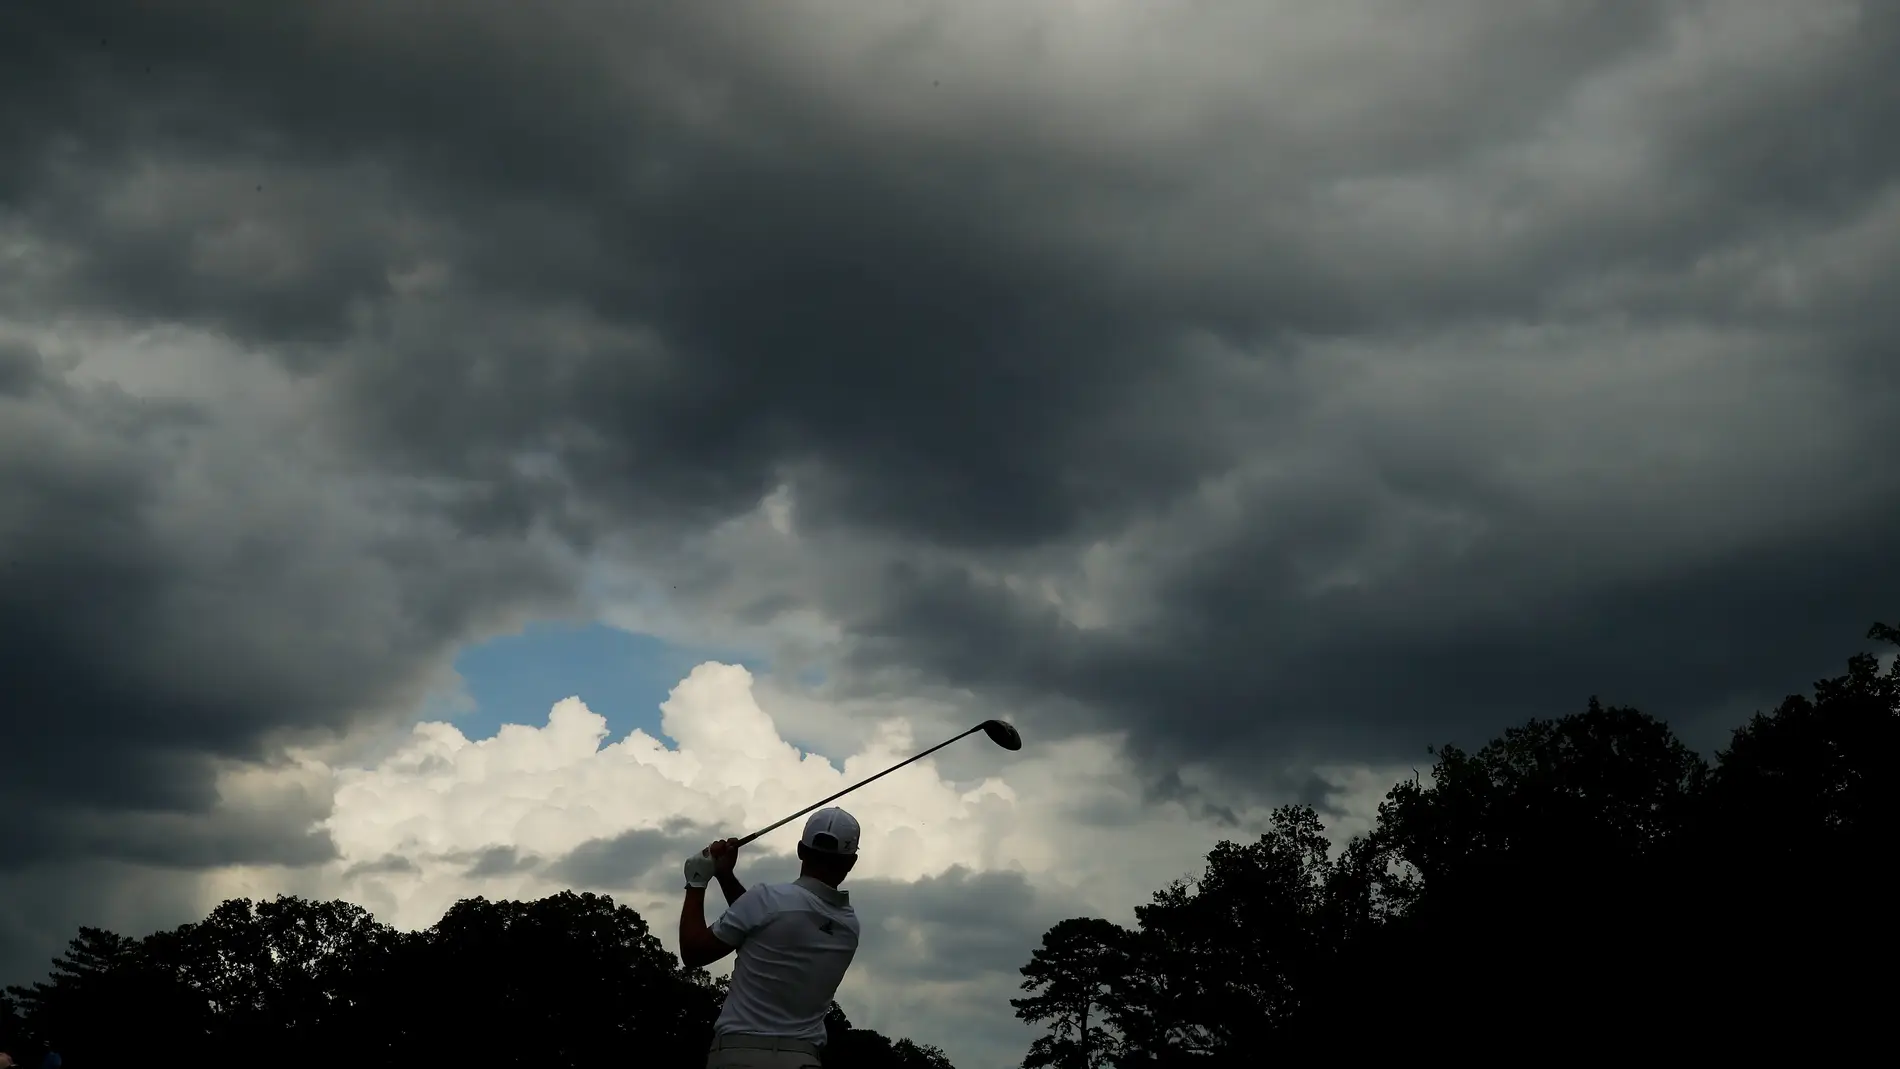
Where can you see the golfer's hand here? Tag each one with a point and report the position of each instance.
(725, 853)
(700, 870)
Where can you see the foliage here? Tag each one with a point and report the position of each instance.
(1079, 962)
(567, 980)
(860, 1048)
(1582, 883)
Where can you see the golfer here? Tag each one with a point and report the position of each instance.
(794, 942)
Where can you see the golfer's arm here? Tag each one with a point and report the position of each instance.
(731, 887)
(698, 946)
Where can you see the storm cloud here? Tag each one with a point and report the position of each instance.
(1279, 384)
(625, 860)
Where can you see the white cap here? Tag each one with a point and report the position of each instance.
(839, 828)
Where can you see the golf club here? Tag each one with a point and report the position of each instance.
(1000, 733)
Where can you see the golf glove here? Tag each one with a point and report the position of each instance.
(699, 870)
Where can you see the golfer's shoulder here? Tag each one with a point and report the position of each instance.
(780, 896)
(798, 895)
(781, 893)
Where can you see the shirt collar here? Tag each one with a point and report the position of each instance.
(834, 895)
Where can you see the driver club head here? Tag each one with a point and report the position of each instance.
(1003, 734)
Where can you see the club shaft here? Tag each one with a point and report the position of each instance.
(856, 785)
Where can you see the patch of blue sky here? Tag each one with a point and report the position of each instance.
(620, 674)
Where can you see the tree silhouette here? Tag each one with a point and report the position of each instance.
(577, 977)
(861, 1048)
(1076, 968)
(1577, 884)
(102, 983)
(1815, 766)
(1227, 965)
(569, 980)
(1794, 859)
(291, 975)
(13, 1035)
(1543, 866)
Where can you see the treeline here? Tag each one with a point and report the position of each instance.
(571, 980)
(1581, 884)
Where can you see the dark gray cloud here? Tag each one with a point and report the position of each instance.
(171, 607)
(626, 860)
(392, 864)
(501, 861)
(1169, 787)
(124, 898)
(1378, 375)
(945, 942)
(955, 927)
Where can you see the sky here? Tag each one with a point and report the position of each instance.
(450, 448)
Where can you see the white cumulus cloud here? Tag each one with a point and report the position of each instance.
(1054, 830)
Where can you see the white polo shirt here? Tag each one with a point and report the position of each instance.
(793, 943)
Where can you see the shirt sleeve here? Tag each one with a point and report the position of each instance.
(743, 917)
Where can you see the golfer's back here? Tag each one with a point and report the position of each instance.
(794, 942)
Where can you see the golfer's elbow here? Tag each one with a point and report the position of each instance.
(700, 949)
